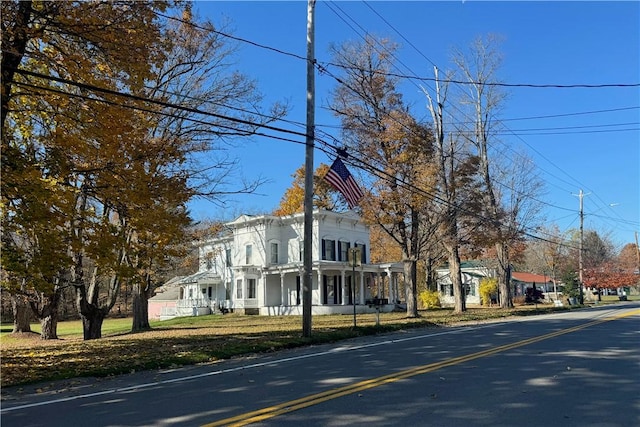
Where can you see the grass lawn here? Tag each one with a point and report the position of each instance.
(25, 358)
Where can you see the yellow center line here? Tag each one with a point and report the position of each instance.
(314, 399)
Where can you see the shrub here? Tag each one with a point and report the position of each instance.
(429, 299)
(533, 295)
(488, 288)
(519, 299)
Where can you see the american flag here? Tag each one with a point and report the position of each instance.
(340, 178)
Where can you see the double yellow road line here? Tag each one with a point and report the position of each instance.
(314, 399)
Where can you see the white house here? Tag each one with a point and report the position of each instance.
(473, 272)
(255, 267)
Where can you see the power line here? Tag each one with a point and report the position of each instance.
(398, 75)
(154, 101)
(192, 110)
(579, 113)
(511, 132)
(359, 163)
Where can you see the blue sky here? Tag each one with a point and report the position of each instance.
(592, 142)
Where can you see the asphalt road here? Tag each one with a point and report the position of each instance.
(580, 368)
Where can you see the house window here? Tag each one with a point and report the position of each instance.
(251, 288)
(301, 250)
(248, 251)
(239, 288)
(227, 291)
(274, 253)
(471, 289)
(190, 293)
(209, 257)
(363, 252)
(227, 254)
(328, 250)
(343, 251)
(447, 290)
(331, 294)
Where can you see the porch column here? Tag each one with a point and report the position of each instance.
(320, 288)
(283, 299)
(345, 289)
(390, 276)
(361, 287)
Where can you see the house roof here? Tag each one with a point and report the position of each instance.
(166, 294)
(201, 276)
(530, 277)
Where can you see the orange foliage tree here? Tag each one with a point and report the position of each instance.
(324, 195)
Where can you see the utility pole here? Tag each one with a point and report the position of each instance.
(307, 279)
(637, 252)
(580, 265)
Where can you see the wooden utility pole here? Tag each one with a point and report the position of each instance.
(637, 252)
(307, 279)
(580, 265)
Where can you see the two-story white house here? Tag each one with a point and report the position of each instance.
(255, 266)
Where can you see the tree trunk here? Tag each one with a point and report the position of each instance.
(92, 324)
(49, 326)
(140, 309)
(428, 269)
(90, 314)
(504, 276)
(459, 294)
(48, 316)
(410, 274)
(21, 314)
(12, 55)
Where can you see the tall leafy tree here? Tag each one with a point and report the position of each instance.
(109, 119)
(629, 257)
(379, 127)
(67, 40)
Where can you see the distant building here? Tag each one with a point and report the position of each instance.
(473, 272)
(255, 267)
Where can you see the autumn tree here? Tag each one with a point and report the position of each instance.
(194, 78)
(62, 39)
(546, 253)
(450, 178)
(109, 120)
(324, 195)
(508, 187)
(379, 127)
(629, 257)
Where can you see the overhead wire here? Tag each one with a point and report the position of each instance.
(333, 148)
(428, 79)
(391, 53)
(410, 77)
(514, 85)
(226, 117)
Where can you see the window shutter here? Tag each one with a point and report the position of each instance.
(324, 289)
